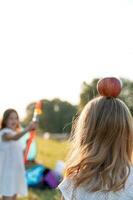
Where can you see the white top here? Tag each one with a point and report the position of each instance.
(12, 171)
(80, 193)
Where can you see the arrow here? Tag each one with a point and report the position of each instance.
(37, 112)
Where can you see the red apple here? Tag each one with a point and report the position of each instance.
(109, 87)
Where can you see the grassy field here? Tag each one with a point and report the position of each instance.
(48, 152)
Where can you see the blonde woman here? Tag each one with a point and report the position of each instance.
(100, 162)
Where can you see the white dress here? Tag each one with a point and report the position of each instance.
(81, 193)
(12, 171)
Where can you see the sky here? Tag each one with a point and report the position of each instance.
(49, 47)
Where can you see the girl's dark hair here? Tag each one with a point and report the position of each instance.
(6, 116)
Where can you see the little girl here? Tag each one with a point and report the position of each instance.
(12, 172)
(99, 165)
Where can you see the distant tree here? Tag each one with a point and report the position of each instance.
(56, 116)
(89, 91)
(127, 93)
(29, 114)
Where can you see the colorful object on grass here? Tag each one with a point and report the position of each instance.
(41, 177)
(37, 112)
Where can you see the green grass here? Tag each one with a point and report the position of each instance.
(48, 152)
(42, 195)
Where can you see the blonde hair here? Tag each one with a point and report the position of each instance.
(102, 143)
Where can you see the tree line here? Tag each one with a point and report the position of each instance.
(57, 115)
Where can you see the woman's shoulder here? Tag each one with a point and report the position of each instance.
(128, 190)
(68, 191)
(80, 193)
(130, 177)
(66, 187)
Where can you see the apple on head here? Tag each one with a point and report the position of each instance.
(109, 86)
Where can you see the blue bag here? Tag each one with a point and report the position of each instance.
(34, 175)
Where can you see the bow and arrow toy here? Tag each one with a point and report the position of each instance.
(36, 114)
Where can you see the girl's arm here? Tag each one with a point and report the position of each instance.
(62, 198)
(7, 137)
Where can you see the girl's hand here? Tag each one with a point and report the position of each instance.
(32, 126)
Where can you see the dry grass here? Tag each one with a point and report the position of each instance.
(49, 151)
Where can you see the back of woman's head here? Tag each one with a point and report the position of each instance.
(102, 143)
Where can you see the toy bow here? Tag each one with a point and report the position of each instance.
(37, 112)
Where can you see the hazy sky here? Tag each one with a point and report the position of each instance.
(48, 48)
